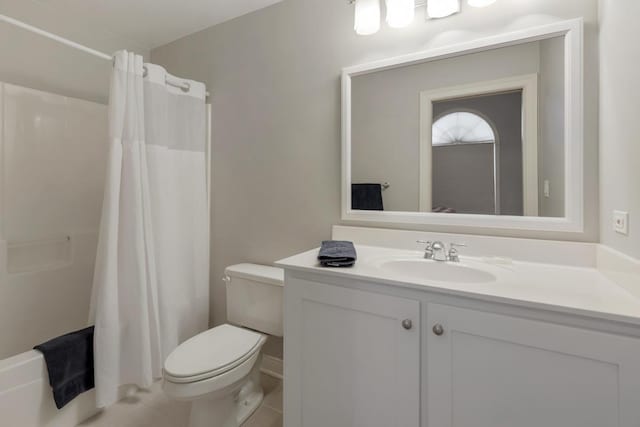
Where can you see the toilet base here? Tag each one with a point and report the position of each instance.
(228, 409)
(223, 412)
(248, 406)
(249, 399)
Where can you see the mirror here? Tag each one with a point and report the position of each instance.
(484, 135)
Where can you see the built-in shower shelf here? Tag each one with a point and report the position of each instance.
(39, 255)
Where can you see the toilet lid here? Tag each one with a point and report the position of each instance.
(212, 352)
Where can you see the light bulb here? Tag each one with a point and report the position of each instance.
(480, 3)
(442, 8)
(367, 20)
(400, 13)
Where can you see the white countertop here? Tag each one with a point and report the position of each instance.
(577, 290)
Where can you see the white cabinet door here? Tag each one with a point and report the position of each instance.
(349, 360)
(488, 370)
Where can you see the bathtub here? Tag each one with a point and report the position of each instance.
(26, 399)
(47, 245)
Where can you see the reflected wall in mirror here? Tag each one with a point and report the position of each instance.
(480, 133)
(487, 134)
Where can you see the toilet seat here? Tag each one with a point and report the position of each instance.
(219, 383)
(211, 354)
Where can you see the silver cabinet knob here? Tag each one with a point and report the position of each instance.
(407, 324)
(438, 329)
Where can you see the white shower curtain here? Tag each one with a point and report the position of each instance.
(151, 283)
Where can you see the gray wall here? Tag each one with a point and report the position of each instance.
(274, 76)
(386, 114)
(619, 122)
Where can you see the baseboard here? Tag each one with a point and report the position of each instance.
(272, 366)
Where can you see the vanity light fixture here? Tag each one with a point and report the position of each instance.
(367, 19)
(400, 13)
(442, 8)
(480, 3)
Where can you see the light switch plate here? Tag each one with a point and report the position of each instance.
(547, 188)
(621, 222)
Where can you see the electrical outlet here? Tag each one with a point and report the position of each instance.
(621, 222)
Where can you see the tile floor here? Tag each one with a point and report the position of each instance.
(151, 408)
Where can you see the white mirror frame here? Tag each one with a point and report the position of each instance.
(572, 31)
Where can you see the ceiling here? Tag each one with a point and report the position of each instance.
(143, 24)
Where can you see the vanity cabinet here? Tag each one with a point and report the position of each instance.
(352, 358)
(358, 354)
(489, 370)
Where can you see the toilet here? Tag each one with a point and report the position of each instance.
(218, 370)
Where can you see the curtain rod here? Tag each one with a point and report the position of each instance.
(3, 18)
(54, 37)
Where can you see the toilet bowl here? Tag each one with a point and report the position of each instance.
(218, 370)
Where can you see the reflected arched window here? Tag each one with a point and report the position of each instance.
(462, 127)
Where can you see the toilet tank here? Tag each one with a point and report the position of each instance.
(254, 297)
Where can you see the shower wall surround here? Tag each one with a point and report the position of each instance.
(274, 76)
(53, 159)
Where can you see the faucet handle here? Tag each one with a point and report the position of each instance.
(429, 244)
(428, 251)
(458, 245)
(453, 251)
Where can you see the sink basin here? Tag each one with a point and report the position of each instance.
(437, 271)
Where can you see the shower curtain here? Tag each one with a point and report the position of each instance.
(151, 282)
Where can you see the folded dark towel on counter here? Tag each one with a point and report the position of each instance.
(337, 253)
(69, 360)
(366, 197)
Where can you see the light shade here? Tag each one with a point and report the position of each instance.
(400, 13)
(442, 8)
(480, 3)
(367, 20)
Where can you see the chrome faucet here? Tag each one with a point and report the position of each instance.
(437, 251)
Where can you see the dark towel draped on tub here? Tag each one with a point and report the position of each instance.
(69, 360)
(367, 197)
